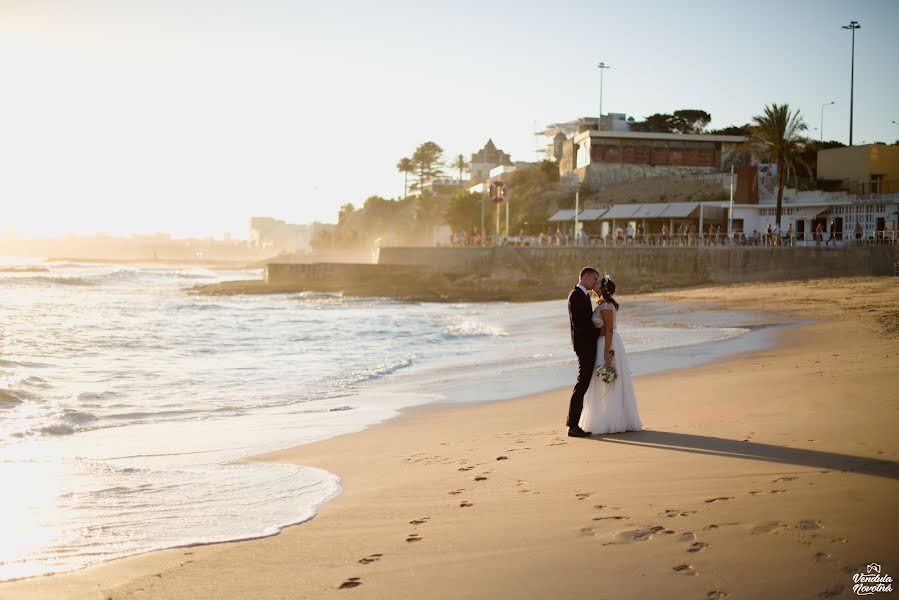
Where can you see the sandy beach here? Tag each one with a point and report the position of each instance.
(770, 475)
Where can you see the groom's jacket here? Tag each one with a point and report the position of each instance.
(580, 316)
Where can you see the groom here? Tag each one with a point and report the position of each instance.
(584, 335)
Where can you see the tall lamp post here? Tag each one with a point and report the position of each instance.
(822, 117)
(853, 25)
(602, 67)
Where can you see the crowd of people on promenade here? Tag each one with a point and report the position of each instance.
(686, 235)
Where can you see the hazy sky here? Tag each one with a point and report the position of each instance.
(190, 116)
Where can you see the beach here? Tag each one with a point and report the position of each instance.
(770, 474)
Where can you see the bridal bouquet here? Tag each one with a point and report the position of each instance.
(607, 372)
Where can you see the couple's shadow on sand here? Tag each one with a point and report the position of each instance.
(746, 449)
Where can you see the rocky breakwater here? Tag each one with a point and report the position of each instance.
(403, 282)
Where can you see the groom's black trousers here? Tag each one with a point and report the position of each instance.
(586, 362)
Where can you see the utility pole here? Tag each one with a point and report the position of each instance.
(853, 25)
(602, 67)
(730, 212)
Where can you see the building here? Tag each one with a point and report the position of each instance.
(866, 169)
(441, 185)
(266, 232)
(877, 214)
(487, 158)
(606, 151)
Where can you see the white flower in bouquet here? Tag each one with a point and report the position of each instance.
(606, 371)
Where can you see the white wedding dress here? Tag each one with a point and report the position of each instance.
(610, 407)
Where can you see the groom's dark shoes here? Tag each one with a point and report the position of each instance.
(578, 432)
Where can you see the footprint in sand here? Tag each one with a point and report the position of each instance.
(720, 499)
(350, 583)
(480, 478)
(614, 517)
(413, 537)
(788, 478)
(465, 504)
(674, 512)
(370, 559)
(821, 557)
(502, 458)
(697, 547)
(456, 492)
(716, 595)
(809, 524)
(466, 468)
(689, 536)
(769, 527)
(638, 535)
(778, 491)
(684, 569)
(582, 496)
(420, 521)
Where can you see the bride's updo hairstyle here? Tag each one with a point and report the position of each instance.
(607, 290)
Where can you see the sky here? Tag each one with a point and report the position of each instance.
(191, 116)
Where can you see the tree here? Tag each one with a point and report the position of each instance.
(745, 130)
(657, 123)
(550, 170)
(346, 211)
(778, 130)
(685, 120)
(690, 120)
(460, 164)
(463, 212)
(405, 166)
(427, 160)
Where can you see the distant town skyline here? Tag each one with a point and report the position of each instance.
(189, 118)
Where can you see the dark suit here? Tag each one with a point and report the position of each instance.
(584, 336)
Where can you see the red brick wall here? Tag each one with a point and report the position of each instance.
(644, 154)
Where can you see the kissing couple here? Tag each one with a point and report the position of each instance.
(598, 406)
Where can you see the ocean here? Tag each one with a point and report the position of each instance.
(128, 404)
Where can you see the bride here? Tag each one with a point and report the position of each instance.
(610, 407)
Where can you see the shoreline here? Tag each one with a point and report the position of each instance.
(358, 524)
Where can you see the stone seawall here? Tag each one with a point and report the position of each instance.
(662, 266)
(525, 274)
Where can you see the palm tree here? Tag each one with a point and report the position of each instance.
(405, 166)
(778, 129)
(461, 165)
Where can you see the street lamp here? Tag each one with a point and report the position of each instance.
(853, 25)
(822, 117)
(602, 67)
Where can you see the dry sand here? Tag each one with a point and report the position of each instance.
(769, 475)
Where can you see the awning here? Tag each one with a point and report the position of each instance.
(592, 214)
(680, 210)
(650, 211)
(563, 215)
(807, 212)
(620, 211)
